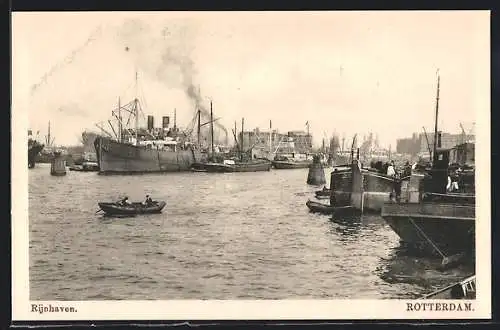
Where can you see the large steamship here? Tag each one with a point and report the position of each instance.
(139, 150)
(145, 150)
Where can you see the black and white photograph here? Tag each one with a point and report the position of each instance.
(251, 165)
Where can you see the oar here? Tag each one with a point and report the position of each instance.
(98, 211)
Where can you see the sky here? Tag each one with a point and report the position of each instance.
(342, 72)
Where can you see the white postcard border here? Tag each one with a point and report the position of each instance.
(22, 307)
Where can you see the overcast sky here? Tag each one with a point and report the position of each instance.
(344, 72)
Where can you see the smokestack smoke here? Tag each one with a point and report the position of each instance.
(166, 55)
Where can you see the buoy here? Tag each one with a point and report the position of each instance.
(58, 165)
(316, 175)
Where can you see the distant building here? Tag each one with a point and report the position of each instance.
(448, 140)
(420, 144)
(302, 141)
(463, 154)
(409, 145)
(292, 141)
(260, 140)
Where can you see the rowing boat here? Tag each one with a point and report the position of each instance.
(132, 209)
(326, 208)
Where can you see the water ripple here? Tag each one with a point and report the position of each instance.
(241, 236)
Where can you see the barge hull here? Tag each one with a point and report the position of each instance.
(290, 165)
(222, 168)
(364, 190)
(451, 227)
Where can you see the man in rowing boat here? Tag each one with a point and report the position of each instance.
(125, 201)
(148, 201)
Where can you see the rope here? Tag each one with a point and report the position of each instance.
(428, 239)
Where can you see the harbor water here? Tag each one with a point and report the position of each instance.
(221, 236)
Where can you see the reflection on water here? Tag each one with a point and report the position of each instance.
(404, 267)
(411, 273)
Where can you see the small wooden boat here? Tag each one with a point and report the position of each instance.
(290, 164)
(326, 208)
(134, 208)
(465, 289)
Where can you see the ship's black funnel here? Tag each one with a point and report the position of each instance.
(151, 123)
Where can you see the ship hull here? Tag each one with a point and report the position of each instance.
(451, 227)
(119, 158)
(238, 167)
(362, 189)
(282, 165)
(33, 152)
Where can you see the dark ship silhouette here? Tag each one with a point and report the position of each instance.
(34, 149)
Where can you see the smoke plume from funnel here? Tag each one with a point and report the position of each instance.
(165, 53)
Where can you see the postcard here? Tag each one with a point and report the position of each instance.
(251, 165)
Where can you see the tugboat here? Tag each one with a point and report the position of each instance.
(431, 216)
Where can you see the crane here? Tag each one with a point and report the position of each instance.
(464, 135)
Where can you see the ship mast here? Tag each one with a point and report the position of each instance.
(270, 137)
(48, 136)
(211, 128)
(199, 128)
(308, 141)
(175, 119)
(119, 122)
(436, 119)
(428, 144)
(464, 135)
(242, 131)
(136, 107)
(235, 133)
